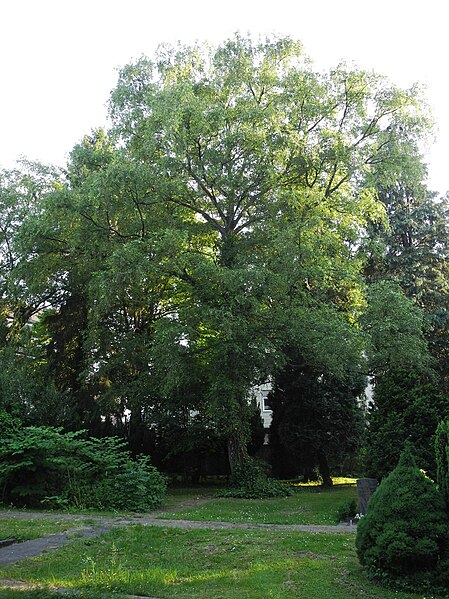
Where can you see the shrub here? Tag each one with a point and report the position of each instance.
(8, 424)
(249, 481)
(44, 465)
(347, 510)
(133, 485)
(404, 534)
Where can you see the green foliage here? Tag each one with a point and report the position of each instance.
(405, 532)
(250, 481)
(408, 403)
(395, 328)
(405, 409)
(412, 249)
(25, 393)
(442, 459)
(347, 510)
(8, 424)
(269, 159)
(317, 420)
(43, 465)
(191, 239)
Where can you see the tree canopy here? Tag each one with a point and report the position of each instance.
(220, 222)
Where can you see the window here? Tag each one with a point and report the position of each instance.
(266, 405)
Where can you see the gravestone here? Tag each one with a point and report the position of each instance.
(365, 488)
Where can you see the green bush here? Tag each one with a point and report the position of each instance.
(8, 424)
(404, 534)
(249, 481)
(43, 465)
(346, 510)
(134, 486)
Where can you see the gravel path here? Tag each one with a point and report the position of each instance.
(19, 551)
(95, 526)
(99, 525)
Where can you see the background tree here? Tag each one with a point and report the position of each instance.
(407, 401)
(23, 292)
(442, 459)
(317, 416)
(412, 248)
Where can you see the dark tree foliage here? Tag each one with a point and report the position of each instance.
(408, 403)
(190, 452)
(405, 409)
(66, 362)
(413, 250)
(442, 459)
(317, 420)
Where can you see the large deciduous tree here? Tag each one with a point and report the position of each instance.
(208, 231)
(24, 290)
(258, 148)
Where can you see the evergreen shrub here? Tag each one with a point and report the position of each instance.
(43, 465)
(405, 533)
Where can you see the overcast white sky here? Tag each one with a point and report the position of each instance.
(59, 58)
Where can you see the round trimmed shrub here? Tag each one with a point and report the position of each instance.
(405, 531)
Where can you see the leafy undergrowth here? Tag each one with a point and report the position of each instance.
(25, 530)
(308, 505)
(175, 563)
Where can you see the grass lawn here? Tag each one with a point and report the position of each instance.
(200, 564)
(206, 564)
(24, 530)
(177, 496)
(308, 505)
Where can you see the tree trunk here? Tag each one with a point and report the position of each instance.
(324, 469)
(237, 453)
